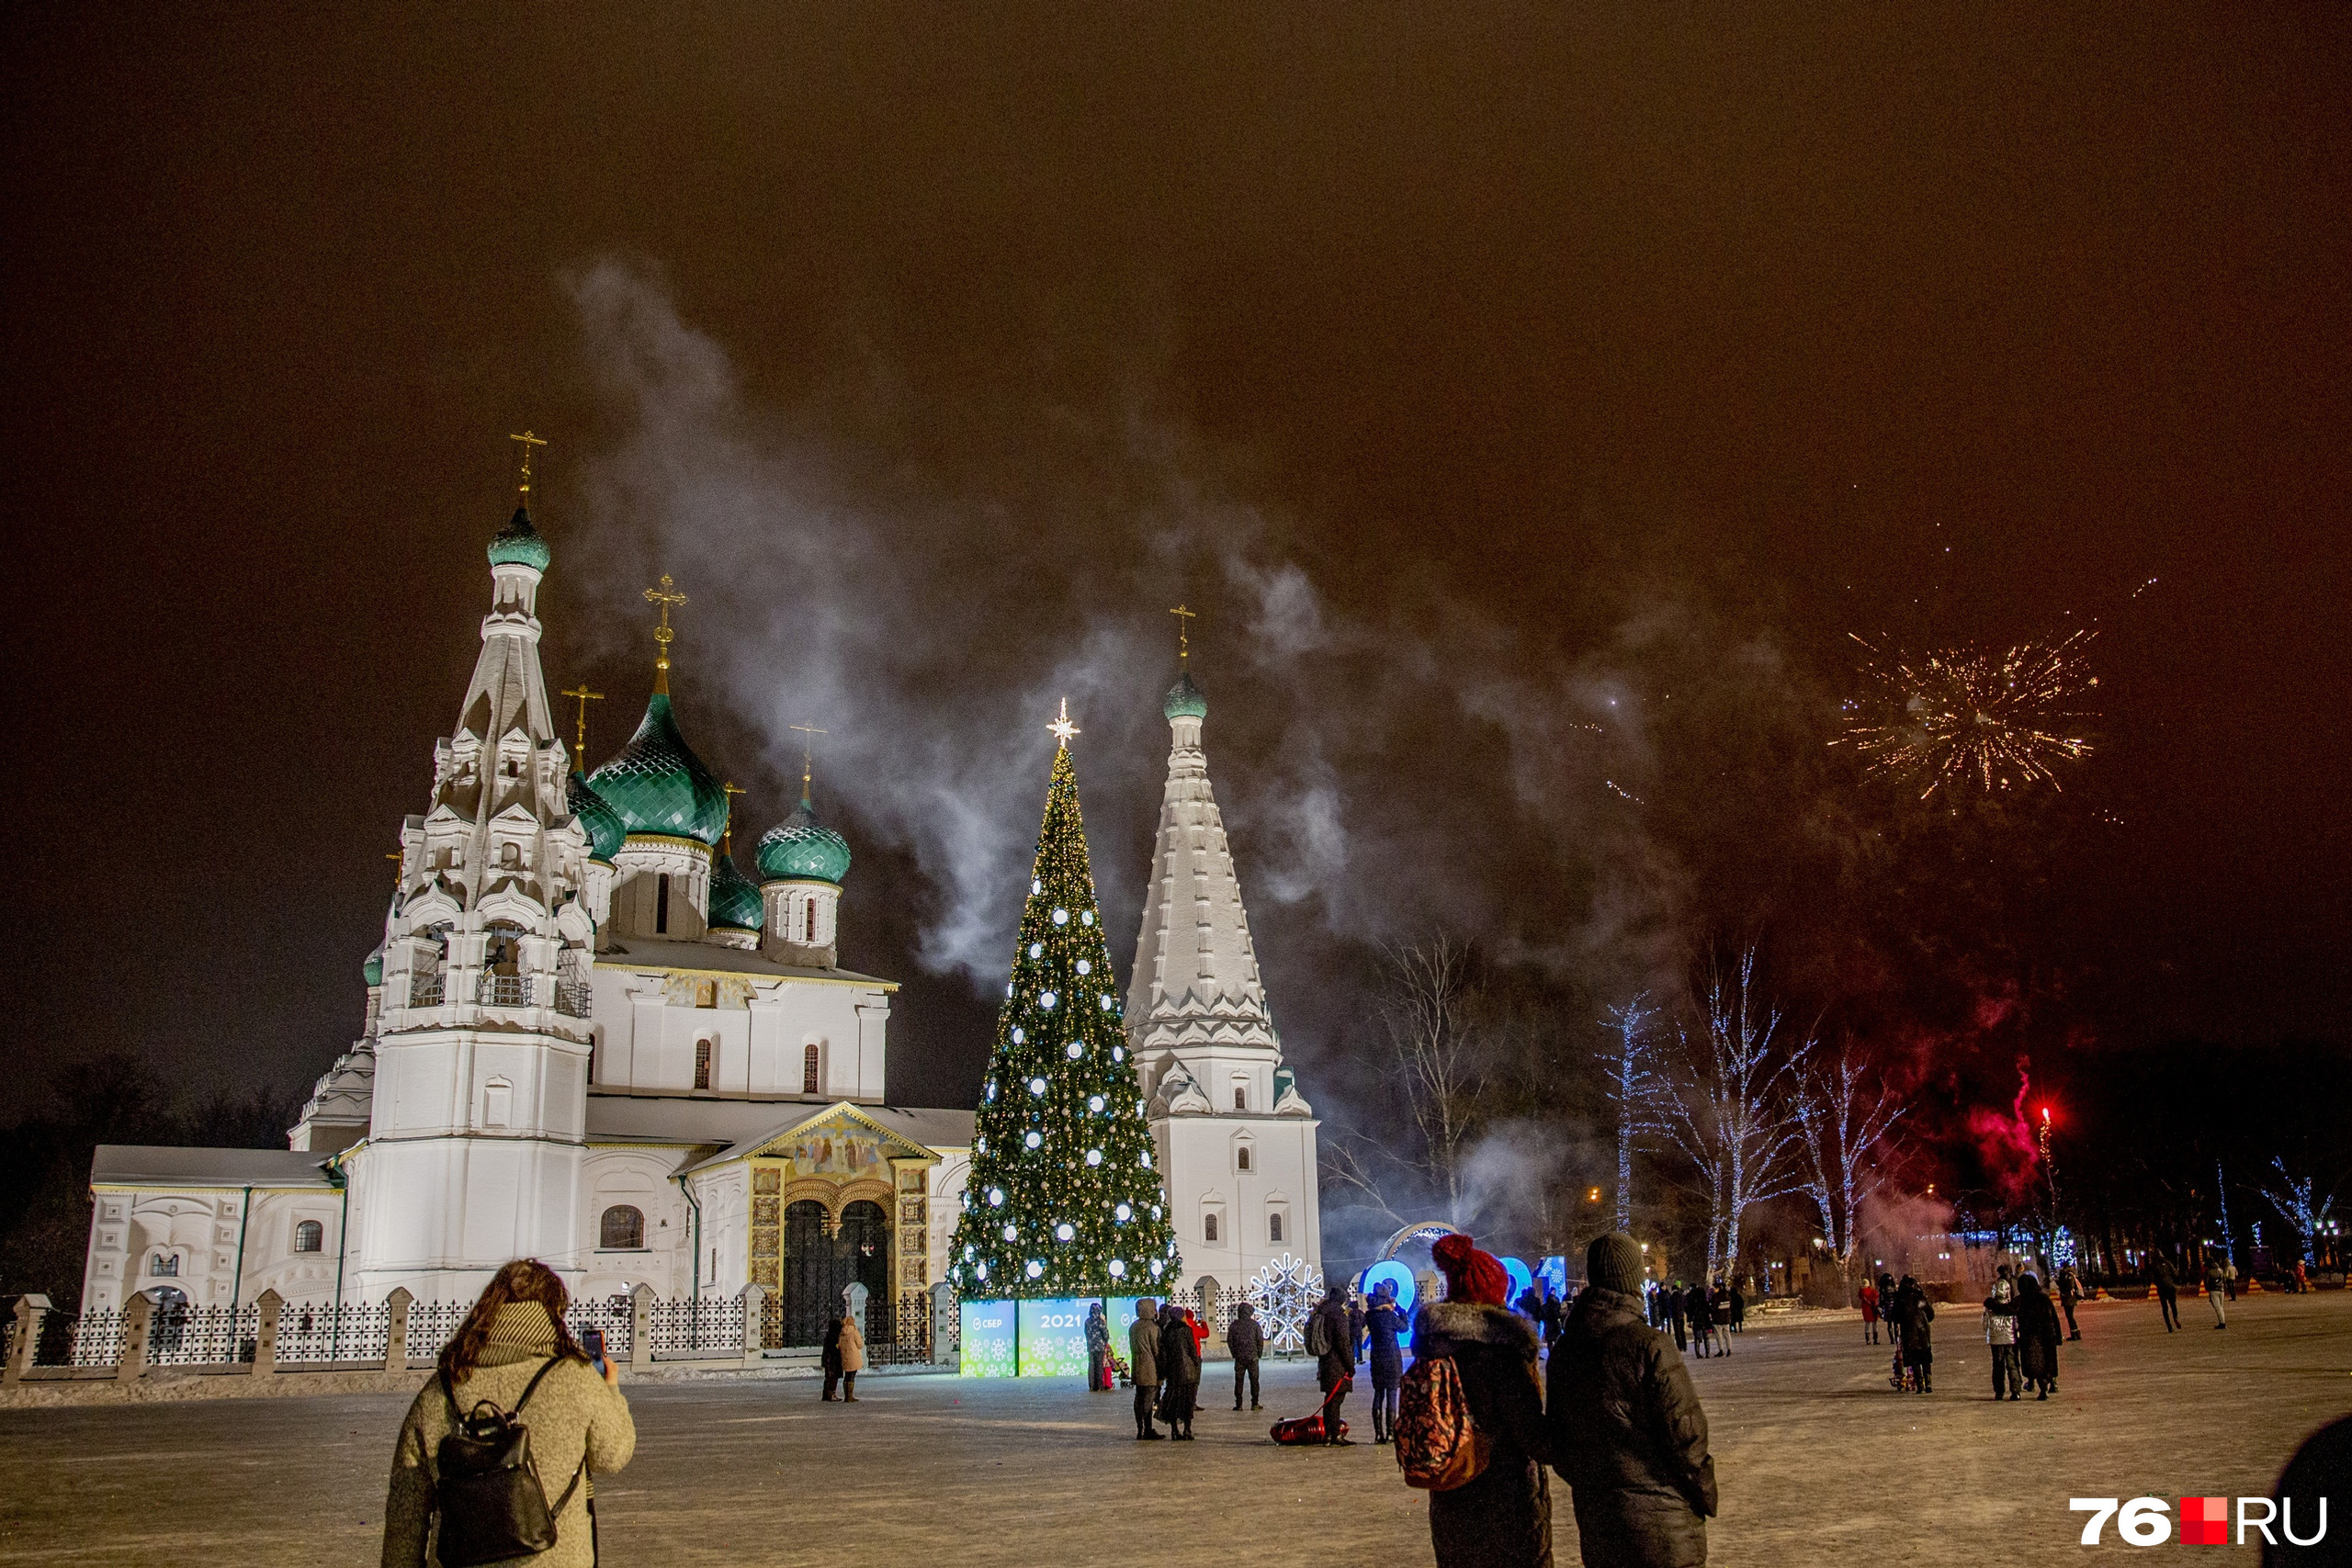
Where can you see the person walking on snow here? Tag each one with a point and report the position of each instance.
(2070, 1291)
(1502, 1516)
(1329, 1342)
(2001, 1335)
(1677, 1302)
(1246, 1340)
(1703, 1318)
(1918, 1337)
(1870, 1312)
(2217, 1290)
(2167, 1288)
(1627, 1433)
(1385, 1328)
(1143, 1364)
(2038, 1336)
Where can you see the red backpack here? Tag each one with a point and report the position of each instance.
(1438, 1447)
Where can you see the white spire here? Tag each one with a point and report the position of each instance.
(1196, 984)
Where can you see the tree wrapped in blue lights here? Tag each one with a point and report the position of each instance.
(1065, 1197)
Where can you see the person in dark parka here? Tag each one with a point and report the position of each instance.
(1247, 1341)
(1918, 1337)
(1677, 1301)
(1143, 1363)
(1503, 1518)
(1335, 1363)
(1627, 1434)
(1385, 1325)
(2039, 1333)
(1179, 1372)
(1702, 1308)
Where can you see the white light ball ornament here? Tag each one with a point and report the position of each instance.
(1087, 919)
(1155, 1267)
(1035, 1268)
(1118, 1053)
(1035, 888)
(1076, 1051)
(1094, 1103)
(1062, 917)
(1036, 1085)
(1118, 1267)
(1012, 1233)
(1046, 999)
(1065, 1232)
(1106, 1001)
(1037, 949)
(1094, 1157)
(1018, 1036)
(1085, 967)
(1144, 1159)
(1124, 1213)
(1034, 1139)
(996, 1197)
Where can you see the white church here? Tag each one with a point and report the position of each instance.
(590, 1039)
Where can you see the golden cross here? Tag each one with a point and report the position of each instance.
(727, 834)
(1184, 619)
(1062, 726)
(580, 746)
(528, 441)
(809, 733)
(662, 635)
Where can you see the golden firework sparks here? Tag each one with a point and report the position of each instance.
(1961, 717)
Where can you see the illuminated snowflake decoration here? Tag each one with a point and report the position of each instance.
(1284, 1291)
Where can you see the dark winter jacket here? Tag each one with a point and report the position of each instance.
(2160, 1274)
(1338, 1358)
(1386, 1327)
(1503, 1518)
(1629, 1438)
(1918, 1330)
(1179, 1353)
(1143, 1347)
(1700, 1307)
(1738, 1307)
(2037, 1331)
(1245, 1338)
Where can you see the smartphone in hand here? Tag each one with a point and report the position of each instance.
(592, 1341)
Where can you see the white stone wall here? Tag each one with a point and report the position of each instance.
(129, 1227)
(647, 1024)
(1201, 1156)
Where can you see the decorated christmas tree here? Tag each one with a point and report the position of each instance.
(1065, 1197)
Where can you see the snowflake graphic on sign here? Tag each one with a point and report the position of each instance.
(1284, 1291)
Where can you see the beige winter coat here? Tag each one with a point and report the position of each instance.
(574, 1412)
(852, 1347)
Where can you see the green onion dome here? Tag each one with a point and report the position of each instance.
(801, 849)
(734, 898)
(658, 785)
(519, 543)
(603, 825)
(1185, 700)
(374, 968)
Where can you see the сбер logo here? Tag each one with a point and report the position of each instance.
(2204, 1521)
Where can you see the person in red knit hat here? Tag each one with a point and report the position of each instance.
(1502, 1517)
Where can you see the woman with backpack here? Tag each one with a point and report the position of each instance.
(1471, 1343)
(510, 1375)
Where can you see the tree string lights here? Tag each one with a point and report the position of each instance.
(1064, 1197)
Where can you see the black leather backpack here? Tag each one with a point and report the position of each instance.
(487, 1494)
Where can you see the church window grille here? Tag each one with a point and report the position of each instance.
(310, 1236)
(622, 1229)
(808, 1070)
(165, 1265)
(811, 925)
(1208, 1228)
(1274, 1227)
(702, 1063)
(1240, 1098)
(662, 906)
(1241, 1156)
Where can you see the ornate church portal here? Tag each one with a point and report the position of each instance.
(822, 1227)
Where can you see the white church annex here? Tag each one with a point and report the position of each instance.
(590, 1039)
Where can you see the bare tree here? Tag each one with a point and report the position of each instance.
(1635, 1090)
(2298, 1207)
(1727, 1114)
(1841, 1128)
(1426, 1005)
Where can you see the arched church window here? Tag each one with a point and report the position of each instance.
(623, 1227)
(165, 1265)
(1274, 1227)
(808, 1070)
(310, 1236)
(1240, 1096)
(510, 855)
(1208, 1228)
(1241, 1157)
(661, 905)
(702, 1063)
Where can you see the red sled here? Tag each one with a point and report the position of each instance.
(1302, 1430)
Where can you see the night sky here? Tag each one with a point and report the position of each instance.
(1533, 408)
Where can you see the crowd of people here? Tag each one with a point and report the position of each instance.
(1701, 1317)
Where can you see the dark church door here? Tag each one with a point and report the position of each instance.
(818, 1268)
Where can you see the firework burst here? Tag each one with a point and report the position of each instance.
(1959, 717)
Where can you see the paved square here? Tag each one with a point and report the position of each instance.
(1819, 1459)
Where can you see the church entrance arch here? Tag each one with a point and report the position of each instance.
(821, 1262)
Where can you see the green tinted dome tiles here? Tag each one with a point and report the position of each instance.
(1185, 700)
(658, 785)
(603, 825)
(734, 898)
(519, 543)
(801, 849)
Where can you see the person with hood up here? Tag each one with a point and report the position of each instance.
(1247, 1341)
(1179, 1372)
(1918, 1336)
(1333, 1346)
(1502, 1516)
(2001, 1335)
(1143, 1365)
(2038, 1336)
(1385, 1328)
(1627, 1433)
